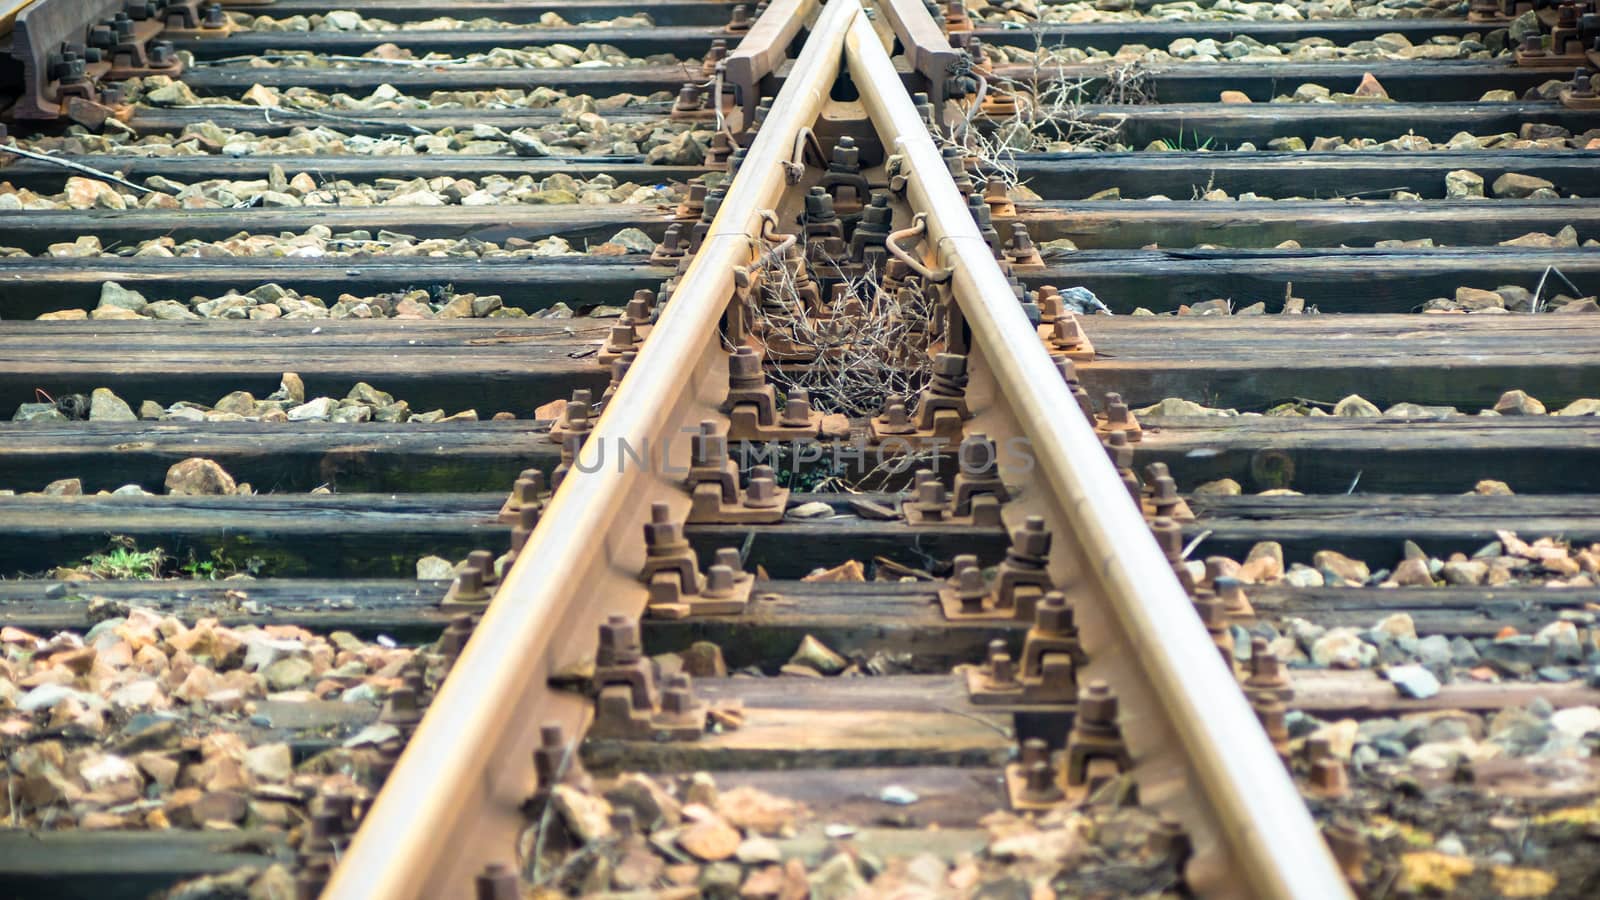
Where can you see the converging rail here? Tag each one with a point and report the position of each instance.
(1145, 671)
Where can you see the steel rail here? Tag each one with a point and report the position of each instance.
(765, 47)
(1204, 757)
(453, 802)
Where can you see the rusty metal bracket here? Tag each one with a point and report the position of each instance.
(473, 586)
(577, 418)
(1047, 673)
(976, 495)
(1267, 677)
(196, 19)
(49, 39)
(1094, 756)
(844, 175)
(1021, 252)
(672, 575)
(1000, 203)
(941, 410)
(691, 104)
(1580, 94)
(1117, 417)
(629, 705)
(1063, 337)
(713, 484)
(632, 327)
(1160, 497)
(1021, 579)
(529, 490)
(752, 404)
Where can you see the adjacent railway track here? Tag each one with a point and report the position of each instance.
(868, 293)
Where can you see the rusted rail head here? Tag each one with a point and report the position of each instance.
(925, 45)
(49, 50)
(1198, 749)
(453, 802)
(764, 48)
(62, 51)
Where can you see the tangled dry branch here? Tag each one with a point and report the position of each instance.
(861, 359)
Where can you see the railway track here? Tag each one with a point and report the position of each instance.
(857, 401)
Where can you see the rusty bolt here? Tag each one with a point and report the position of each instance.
(550, 754)
(744, 369)
(1097, 708)
(677, 697)
(970, 589)
(619, 642)
(662, 535)
(1054, 616)
(932, 499)
(1002, 669)
(1068, 334)
(1266, 670)
(1271, 712)
(619, 370)
(526, 491)
(483, 561)
(1169, 536)
(455, 637)
(400, 709)
(1041, 784)
(1069, 372)
(719, 582)
(796, 408)
(708, 448)
(1049, 299)
(1034, 750)
(980, 211)
(895, 418)
(994, 191)
(1164, 494)
(1116, 410)
(621, 337)
(762, 492)
(950, 368)
(1120, 451)
(1329, 778)
(954, 162)
(1032, 539)
(688, 97)
(1582, 85)
(672, 239)
(469, 586)
(1021, 242)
